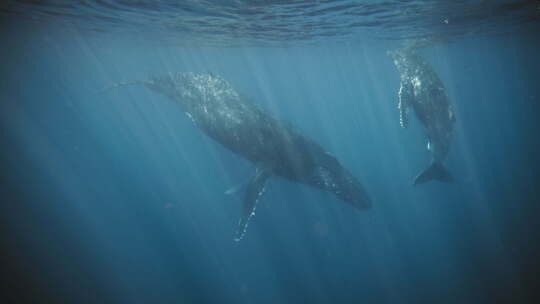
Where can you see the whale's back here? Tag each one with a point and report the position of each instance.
(236, 122)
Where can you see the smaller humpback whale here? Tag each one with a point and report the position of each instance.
(273, 146)
(423, 91)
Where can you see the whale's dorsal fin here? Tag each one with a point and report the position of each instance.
(406, 96)
(254, 190)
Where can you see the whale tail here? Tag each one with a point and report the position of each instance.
(124, 84)
(436, 171)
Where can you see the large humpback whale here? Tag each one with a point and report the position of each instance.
(423, 91)
(272, 145)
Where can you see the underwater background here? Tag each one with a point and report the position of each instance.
(116, 197)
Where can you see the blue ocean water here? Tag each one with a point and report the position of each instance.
(116, 197)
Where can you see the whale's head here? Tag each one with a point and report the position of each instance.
(400, 58)
(329, 175)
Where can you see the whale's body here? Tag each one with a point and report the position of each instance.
(422, 90)
(272, 145)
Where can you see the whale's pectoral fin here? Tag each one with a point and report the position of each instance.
(434, 172)
(406, 96)
(254, 190)
(451, 115)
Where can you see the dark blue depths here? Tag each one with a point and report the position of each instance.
(118, 198)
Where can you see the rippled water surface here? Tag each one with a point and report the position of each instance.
(291, 22)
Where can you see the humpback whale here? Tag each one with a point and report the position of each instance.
(423, 91)
(273, 146)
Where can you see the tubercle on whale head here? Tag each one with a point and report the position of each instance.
(399, 58)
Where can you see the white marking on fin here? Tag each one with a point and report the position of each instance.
(254, 191)
(252, 214)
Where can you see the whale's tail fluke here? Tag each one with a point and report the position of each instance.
(436, 171)
(123, 84)
(168, 84)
